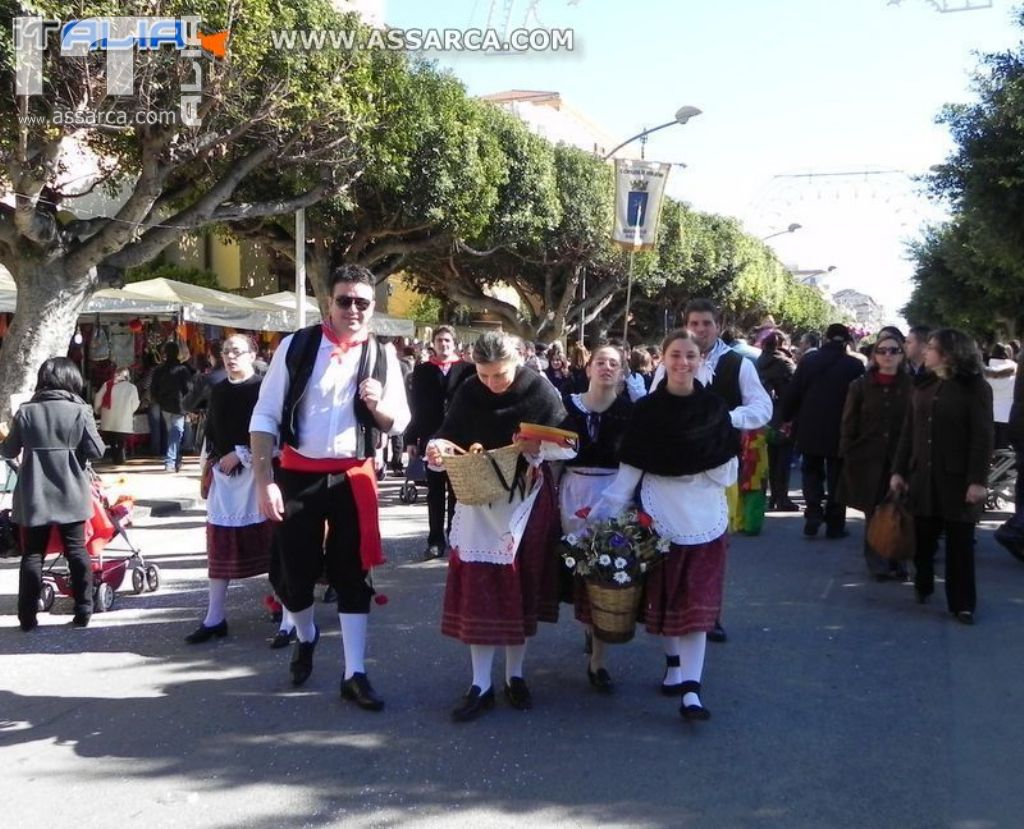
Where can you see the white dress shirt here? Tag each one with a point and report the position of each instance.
(326, 419)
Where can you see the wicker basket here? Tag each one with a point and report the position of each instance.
(613, 610)
(482, 476)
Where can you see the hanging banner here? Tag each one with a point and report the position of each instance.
(639, 189)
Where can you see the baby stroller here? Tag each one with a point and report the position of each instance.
(108, 568)
(415, 473)
(1002, 479)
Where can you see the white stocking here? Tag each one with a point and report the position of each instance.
(483, 658)
(218, 598)
(514, 656)
(691, 659)
(671, 645)
(305, 629)
(287, 622)
(353, 641)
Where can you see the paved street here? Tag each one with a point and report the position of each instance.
(837, 702)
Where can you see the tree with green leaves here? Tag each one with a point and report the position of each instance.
(301, 114)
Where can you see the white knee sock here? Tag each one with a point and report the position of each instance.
(218, 598)
(305, 629)
(670, 644)
(691, 659)
(287, 622)
(514, 656)
(353, 641)
(483, 658)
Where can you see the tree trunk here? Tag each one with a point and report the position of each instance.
(44, 323)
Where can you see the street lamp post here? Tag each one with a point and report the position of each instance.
(793, 228)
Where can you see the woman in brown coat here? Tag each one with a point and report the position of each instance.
(876, 405)
(942, 461)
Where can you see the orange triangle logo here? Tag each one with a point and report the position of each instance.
(216, 44)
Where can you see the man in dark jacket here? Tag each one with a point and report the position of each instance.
(1011, 534)
(171, 383)
(814, 401)
(432, 387)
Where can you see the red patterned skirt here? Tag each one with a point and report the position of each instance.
(499, 604)
(684, 593)
(238, 552)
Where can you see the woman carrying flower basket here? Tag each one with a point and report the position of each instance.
(680, 447)
(502, 576)
(599, 417)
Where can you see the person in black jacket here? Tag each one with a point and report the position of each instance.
(814, 401)
(775, 369)
(57, 434)
(171, 383)
(431, 389)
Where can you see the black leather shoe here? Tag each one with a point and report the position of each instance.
(28, 624)
(330, 595)
(302, 660)
(205, 634)
(965, 617)
(282, 639)
(81, 620)
(693, 712)
(670, 690)
(517, 694)
(717, 633)
(787, 506)
(432, 553)
(473, 704)
(358, 689)
(811, 528)
(601, 680)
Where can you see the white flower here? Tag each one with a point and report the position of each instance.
(570, 562)
(643, 566)
(622, 578)
(620, 563)
(572, 539)
(604, 559)
(663, 545)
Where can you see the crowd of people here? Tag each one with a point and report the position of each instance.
(700, 431)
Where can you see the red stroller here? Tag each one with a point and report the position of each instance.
(108, 568)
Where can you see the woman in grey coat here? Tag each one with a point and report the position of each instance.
(56, 434)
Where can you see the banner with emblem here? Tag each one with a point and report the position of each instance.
(639, 190)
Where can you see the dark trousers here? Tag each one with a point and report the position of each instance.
(30, 581)
(311, 501)
(821, 484)
(440, 508)
(779, 458)
(960, 590)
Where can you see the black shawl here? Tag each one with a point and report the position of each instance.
(674, 435)
(478, 415)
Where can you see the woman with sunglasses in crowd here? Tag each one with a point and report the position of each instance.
(942, 462)
(238, 536)
(876, 405)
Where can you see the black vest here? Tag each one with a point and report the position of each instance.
(299, 361)
(726, 382)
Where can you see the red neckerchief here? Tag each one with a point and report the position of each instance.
(108, 395)
(340, 347)
(443, 364)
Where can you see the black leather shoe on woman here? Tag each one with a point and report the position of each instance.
(517, 694)
(693, 712)
(673, 689)
(205, 634)
(601, 680)
(282, 639)
(473, 704)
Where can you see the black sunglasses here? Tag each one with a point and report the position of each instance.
(348, 301)
(893, 350)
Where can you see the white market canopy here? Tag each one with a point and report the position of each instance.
(379, 323)
(210, 307)
(107, 301)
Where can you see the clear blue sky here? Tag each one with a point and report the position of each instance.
(790, 86)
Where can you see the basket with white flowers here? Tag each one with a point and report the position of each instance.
(613, 557)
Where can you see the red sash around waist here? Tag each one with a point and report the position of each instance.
(362, 478)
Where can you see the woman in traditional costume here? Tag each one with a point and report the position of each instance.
(238, 536)
(502, 572)
(680, 449)
(599, 416)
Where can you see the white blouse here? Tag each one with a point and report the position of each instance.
(687, 509)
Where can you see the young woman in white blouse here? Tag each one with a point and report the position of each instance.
(680, 448)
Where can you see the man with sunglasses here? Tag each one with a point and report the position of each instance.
(330, 395)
